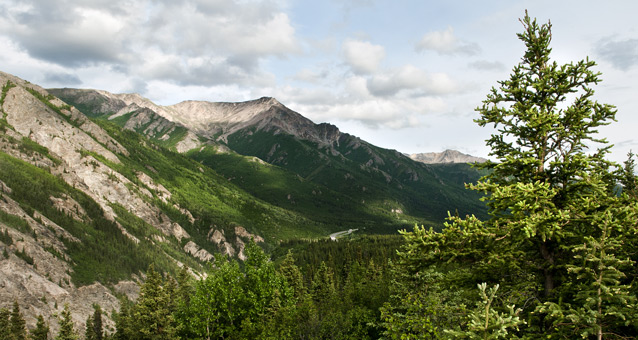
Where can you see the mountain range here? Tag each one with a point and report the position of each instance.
(94, 187)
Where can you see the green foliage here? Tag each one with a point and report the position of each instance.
(17, 325)
(486, 322)
(46, 100)
(3, 119)
(151, 317)
(556, 240)
(66, 332)
(14, 222)
(111, 256)
(5, 326)
(24, 256)
(4, 236)
(41, 330)
(391, 182)
(94, 329)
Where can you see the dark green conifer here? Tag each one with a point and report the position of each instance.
(5, 328)
(41, 331)
(18, 326)
(152, 316)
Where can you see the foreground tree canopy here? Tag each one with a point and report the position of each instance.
(560, 242)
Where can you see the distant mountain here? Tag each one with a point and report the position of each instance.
(364, 179)
(447, 156)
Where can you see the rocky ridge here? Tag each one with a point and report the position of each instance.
(447, 156)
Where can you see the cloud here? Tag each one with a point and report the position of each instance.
(622, 54)
(310, 76)
(62, 78)
(412, 80)
(446, 43)
(362, 56)
(485, 65)
(208, 42)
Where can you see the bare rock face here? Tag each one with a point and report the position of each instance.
(198, 252)
(189, 142)
(447, 156)
(242, 232)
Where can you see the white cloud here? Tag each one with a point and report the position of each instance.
(410, 80)
(362, 56)
(194, 42)
(446, 43)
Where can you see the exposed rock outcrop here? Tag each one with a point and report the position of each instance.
(447, 156)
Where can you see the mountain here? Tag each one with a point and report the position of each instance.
(357, 181)
(95, 187)
(447, 156)
(86, 207)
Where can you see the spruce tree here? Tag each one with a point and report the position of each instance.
(66, 332)
(5, 329)
(41, 330)
(98, 332)
(152, 316)
(94, 329)
(550, 196)
(88, 330)
(17, 325)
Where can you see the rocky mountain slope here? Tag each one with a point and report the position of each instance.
(85, 207)
(447, 156)
(325, 159)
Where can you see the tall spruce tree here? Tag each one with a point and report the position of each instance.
(549, 197)
(152, 315)
(17, 324)
(94, 329)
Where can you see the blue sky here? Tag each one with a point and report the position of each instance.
(403, 75)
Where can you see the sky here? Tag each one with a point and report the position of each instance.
(404, 75)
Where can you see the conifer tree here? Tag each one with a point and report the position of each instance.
(94, 329)
(486, 322)
(5, 329)
(123, 321)
(323, 285)
(66, 332)
(549, 197)
(17, 326)
(41, 330)
(292, 275)
(88, 330)
(98, 332)
(152, 316)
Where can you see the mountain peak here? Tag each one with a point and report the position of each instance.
(447, 156)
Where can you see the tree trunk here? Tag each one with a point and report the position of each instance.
(548, 272)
